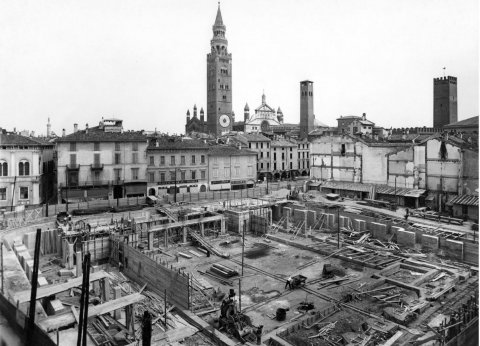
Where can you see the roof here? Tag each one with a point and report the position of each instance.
(228, 150)
(12, 139)
(470, 122)
(170, 143)
(340, 185)
(218, 19)
(95, 134)
(465, 200)
(399, 191)
(255, 137)
(281, 142)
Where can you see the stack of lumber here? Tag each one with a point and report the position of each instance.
(222, 270)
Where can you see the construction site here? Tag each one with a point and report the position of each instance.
(281, 269)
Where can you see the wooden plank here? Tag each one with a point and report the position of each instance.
(55, 322)
(75, 314)
(45, 291)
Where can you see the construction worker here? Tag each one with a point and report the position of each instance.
(288, 283)
(258, 333)
(406, 214)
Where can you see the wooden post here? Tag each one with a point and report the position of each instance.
(117, 293)
(78, 257)
(33, 295)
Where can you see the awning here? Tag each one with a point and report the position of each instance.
(399, 191)
(468, 200)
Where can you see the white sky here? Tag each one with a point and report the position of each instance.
(145, 61)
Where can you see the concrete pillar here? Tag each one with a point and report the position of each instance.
(78, 256)
(184, 231)
(117, 293)
(130, 318)
(165, 234)
(70, 256)
(222, 225)
(106, 290)
(202, 229)
(150, 240)
(95, 284)
(360, 225)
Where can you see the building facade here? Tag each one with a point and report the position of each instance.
(303, 157)
(176, 165)
(219, 81)
(231, 168)
(195, 123)
(444, 101)
(26, 171)
(101, 162)
(284, 158)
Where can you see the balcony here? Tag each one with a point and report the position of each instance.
(73, 167)
(96, 167)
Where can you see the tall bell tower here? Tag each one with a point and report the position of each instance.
(219, 81)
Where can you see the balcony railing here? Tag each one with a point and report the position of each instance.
(73, 167)
(96, 167)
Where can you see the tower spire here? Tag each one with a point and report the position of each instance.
(218, 19)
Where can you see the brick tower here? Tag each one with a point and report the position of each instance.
(306, 108)
(219, 81)
(444, 101)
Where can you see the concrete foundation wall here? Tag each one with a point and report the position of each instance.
(454, 249)
(406, 238)
(143, 269)
(379, 231)
(430, 242)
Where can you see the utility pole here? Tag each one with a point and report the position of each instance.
(175, 196)
(240, 280)
(338, 227)
(33, 293)
(66, 191)
(1, 263)
(84, 298)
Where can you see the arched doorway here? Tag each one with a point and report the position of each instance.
(276, 175)
(203, 188)
(284, 175)
(151, 192)
(304, 173)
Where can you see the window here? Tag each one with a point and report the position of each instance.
(182, 175)
(291, 156)
(193, 160)
(162, 160)
(172, 160)
(261, 165)
(3, 169)
(194, 175)
(283, 156)
(215, 172)
(291, 165)
(24, 168)
(261, 145)
(274, 165)
(215, 160)
(118, 158)
(23, 192)
(162, 176)
(343, 150)
(73, 146)
(152, 160)
(268, 145)
(274, 156)
(73, 159)
(202, 159)
(134, 157)
(135, 173)
(96, 159)
(256, 145)
(117, 173)
(182, 160)
(250, 145)
(172, 175)
(134, 146)
(261, 154)
(117, 146)
(3, 193)
(96, 176)
(226, 172)
(237, 171)
(268, 154)
(96, 146)
(202, 175)
(151, 177)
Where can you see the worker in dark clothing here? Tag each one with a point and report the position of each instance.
(208, 253)
(288, 283)
(407, 212)
(258, 333)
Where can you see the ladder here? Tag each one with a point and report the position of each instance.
(274, 227)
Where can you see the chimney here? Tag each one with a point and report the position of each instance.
(32, 134)
(63, 132)
(86, 128)
(364, 116)
(49, 128)
(75, 128)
